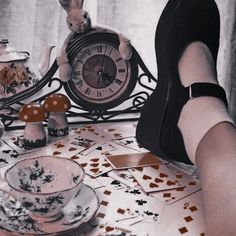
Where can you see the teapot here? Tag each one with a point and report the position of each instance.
(15, 73)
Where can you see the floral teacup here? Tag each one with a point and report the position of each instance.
(44, 185)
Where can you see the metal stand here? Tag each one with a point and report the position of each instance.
(9, 107)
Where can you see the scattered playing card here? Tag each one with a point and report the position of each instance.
(90, 132)
(92, 182)
(94, 164)
(14, 139)
(136, 208)
(187, 216)
(119, 130)
(133, 160)
(130, 142)
(65, 147)
(7, 155)
(189, 186)
(109, 182)
(125, 177)
(155, 178)
(113, 149)
(116, 229)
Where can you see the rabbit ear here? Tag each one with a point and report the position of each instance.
(77, 4)
(71, 4)
(66, 4)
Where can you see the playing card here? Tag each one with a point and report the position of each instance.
(187, 216)
(119, 130)
(136, 208)
(112, 149)
(94, 164)
(189, 186)
(130, 142)
(125, 177)
(109, 182)
(7, 155)
(188, 169)
(91, 132)
(92, 182)
(64, 147)
(155, 178)
(15, 139)
(115, 229)
(132, 160)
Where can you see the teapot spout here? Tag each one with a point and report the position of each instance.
(45, 60)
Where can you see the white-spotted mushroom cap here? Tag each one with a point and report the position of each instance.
(57, 103)
(33, 112)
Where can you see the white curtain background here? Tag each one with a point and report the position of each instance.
(33, 24)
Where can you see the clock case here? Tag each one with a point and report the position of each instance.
(125, 108)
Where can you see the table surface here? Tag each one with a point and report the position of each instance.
(141, 201)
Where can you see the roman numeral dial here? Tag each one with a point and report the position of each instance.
(100, 77)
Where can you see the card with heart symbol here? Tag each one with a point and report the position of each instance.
(93, 160)
(155, 178)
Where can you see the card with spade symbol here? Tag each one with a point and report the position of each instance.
(15, 139)
(137, 207)
(131, 142)
(8, 155)
(93, 160)
(66, 147)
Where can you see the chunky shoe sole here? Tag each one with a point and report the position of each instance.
(182, 22)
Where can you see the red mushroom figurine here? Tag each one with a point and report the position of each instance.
(57, 105)
(34, 134)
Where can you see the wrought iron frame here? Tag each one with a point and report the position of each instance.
(78, 114)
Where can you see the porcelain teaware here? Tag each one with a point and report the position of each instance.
(44, 185)
(16, 73)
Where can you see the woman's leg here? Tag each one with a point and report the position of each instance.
(212, 148)
(216, 161)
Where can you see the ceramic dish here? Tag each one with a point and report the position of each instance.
(16, 220)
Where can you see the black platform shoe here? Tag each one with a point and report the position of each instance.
(182, 22)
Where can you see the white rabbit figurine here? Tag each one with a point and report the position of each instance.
(78, 21)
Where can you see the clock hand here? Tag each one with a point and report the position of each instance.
(100, 72)
(106, 76)
(99, 77)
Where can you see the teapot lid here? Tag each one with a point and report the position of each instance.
(9, 54)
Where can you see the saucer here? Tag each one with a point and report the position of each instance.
(16, 220)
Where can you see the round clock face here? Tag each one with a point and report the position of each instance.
(100, 77)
